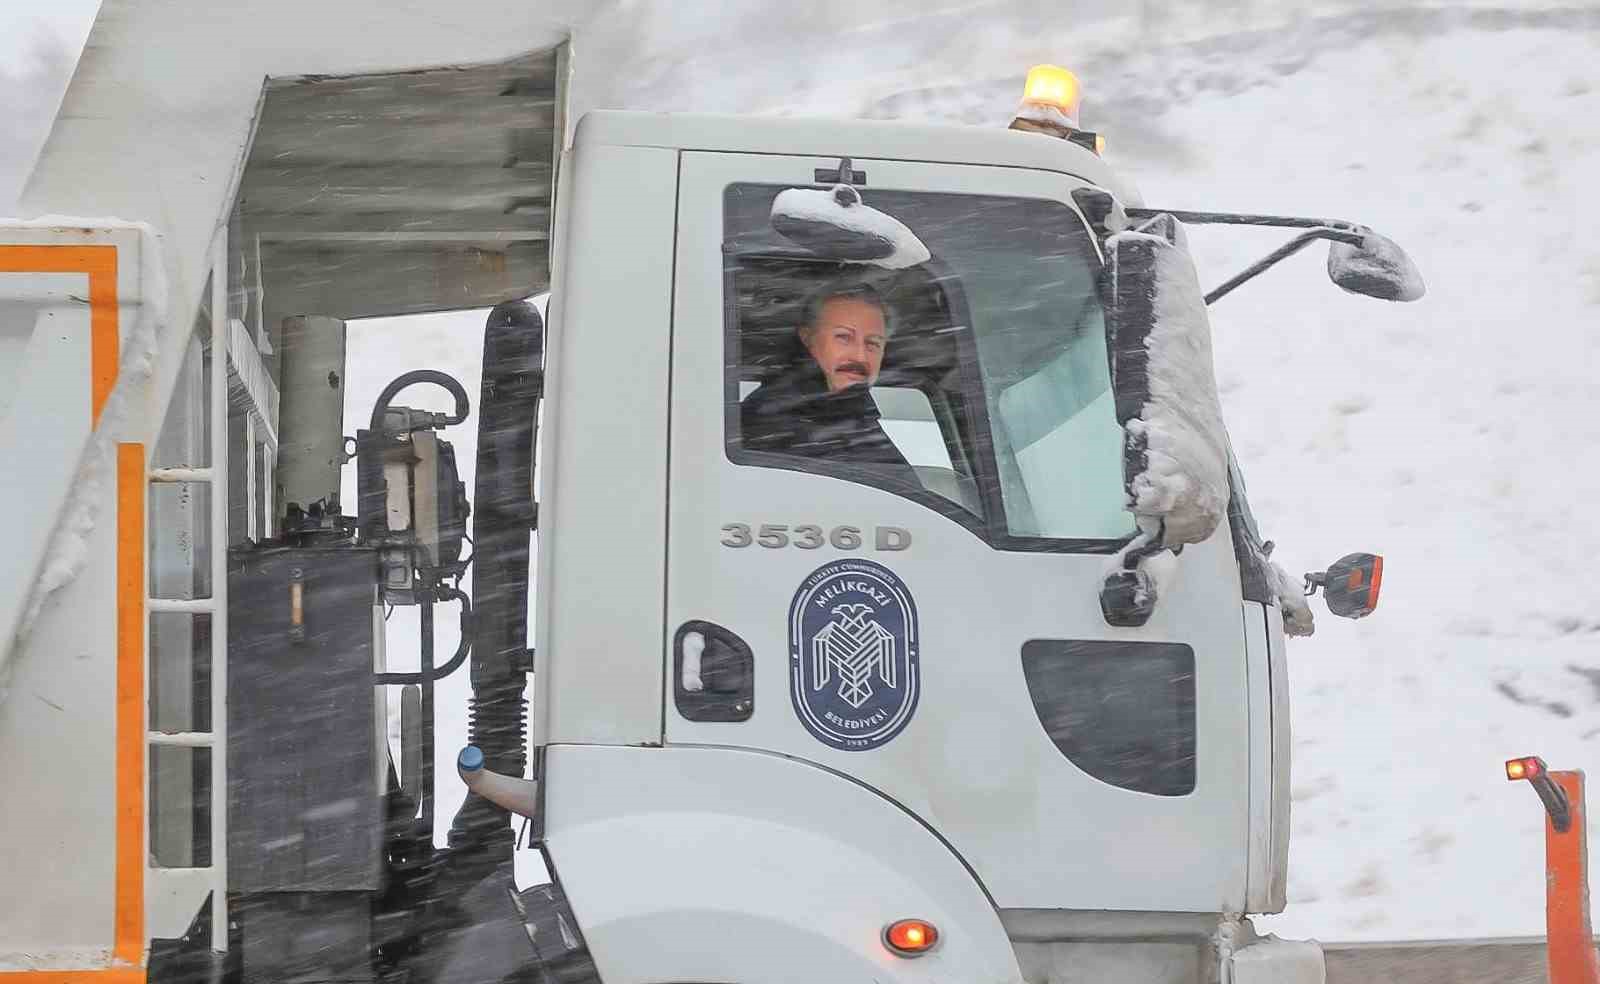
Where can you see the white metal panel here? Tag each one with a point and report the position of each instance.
(1282, 750)
(544, 483)
(1258, 897)
(218, 411)
(172, 896)
(739, 866)
(250, 383)
(47, 337)
(1275, 961)
(58, 766)
(974, 762)
(602, 526)
(58, 729)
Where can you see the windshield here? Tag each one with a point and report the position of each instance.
(994, 386)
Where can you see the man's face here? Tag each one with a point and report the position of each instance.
(847, 340)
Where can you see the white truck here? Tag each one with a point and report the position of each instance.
(1011, 706)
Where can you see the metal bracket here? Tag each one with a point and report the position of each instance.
(1337, 230)
(845, 174)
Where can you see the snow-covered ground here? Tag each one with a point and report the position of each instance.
(1457, 436)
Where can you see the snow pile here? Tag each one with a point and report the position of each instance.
(1182, 488)
(835, 224)
(92, 486)
(1297, 617)
(1047, 116)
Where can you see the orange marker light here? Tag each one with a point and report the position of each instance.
(1527, 767)
(910, 937)
(1053, 86)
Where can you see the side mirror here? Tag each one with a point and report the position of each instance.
(1350, 585)
(1175, 450)
(835, 224)
(1375, 267)
(1129, 592)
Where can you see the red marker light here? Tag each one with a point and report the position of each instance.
(910, 937)
(1527, 767)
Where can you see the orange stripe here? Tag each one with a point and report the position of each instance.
(100, 263)
(129, 918)
(114, 976)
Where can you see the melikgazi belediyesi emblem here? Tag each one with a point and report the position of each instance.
(853, 669)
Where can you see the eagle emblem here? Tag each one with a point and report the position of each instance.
(854, 660)
(855, 647)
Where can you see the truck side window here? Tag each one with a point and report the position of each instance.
(991, 402)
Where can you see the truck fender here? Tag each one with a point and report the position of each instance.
(716, 864)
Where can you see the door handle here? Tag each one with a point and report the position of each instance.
(713, 673)
(694, 647)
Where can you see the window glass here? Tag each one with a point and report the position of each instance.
(975, 382)
(1121, 711)
(180, 806)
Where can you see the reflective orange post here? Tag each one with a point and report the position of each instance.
(1566, 907)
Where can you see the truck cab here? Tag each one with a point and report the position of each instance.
(1076, 773)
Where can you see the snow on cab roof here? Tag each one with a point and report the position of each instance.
(857, 139)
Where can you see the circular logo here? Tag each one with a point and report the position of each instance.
(853, 667)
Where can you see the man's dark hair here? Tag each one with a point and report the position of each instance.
(855, 291)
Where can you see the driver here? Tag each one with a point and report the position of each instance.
(823, 407)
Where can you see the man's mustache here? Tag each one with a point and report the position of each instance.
(856, 367)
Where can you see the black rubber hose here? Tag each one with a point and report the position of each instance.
(449, 382)
(502, 522)
(454, 662)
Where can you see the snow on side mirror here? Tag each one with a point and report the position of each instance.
(1350, 585)
(1378, 267)
(1175, 450)
(836, 224)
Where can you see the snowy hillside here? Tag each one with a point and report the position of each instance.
(1457, 436)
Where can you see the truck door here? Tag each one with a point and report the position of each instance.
(925, 620)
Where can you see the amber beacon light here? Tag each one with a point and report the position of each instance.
(1054, 87)
(910, 937)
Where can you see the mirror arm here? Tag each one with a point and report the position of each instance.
(1335, 229)
(1283, 252)
(1235, 218)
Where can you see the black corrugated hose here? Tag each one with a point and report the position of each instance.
(503, 514)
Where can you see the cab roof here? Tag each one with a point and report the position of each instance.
(858, 139)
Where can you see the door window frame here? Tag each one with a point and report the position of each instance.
(991, 527)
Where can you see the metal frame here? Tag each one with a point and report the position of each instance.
(217, 605)
(1337, 230)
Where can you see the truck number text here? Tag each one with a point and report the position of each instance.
(809, 537)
